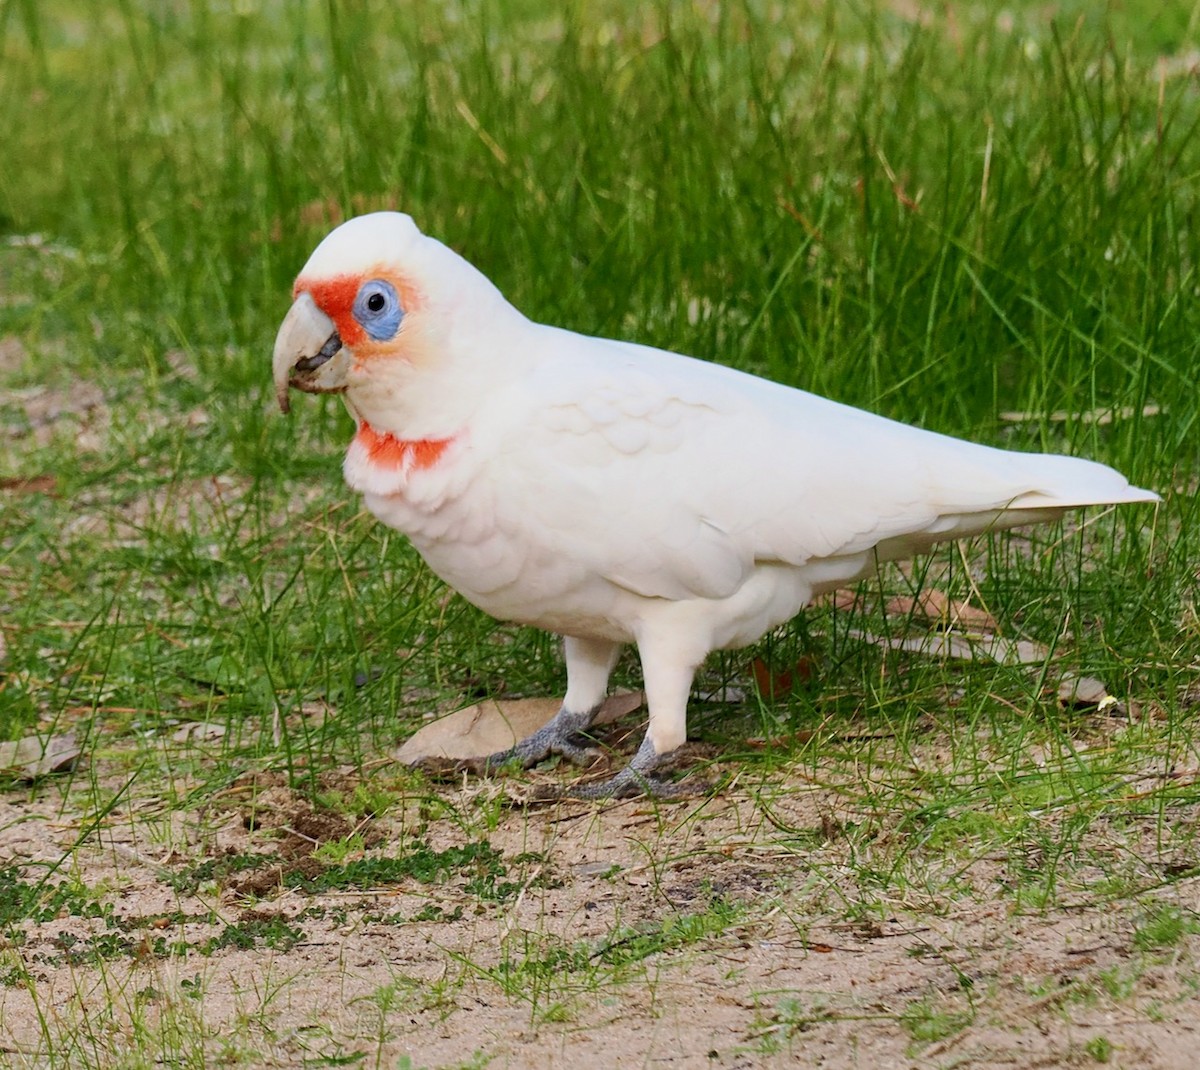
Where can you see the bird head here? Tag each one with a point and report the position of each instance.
(379, 312)
(350, 306)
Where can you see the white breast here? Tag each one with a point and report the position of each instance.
(487, 549)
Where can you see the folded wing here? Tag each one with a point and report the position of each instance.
(675, 478)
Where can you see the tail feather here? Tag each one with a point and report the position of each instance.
(1059, 482)
(1044, 488)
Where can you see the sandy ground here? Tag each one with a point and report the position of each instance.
(798, 973)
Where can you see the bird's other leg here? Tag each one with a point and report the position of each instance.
(667, 670)
(589, 664)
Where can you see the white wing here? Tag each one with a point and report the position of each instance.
(674, 478)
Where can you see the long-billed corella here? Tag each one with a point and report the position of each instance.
(614, 493)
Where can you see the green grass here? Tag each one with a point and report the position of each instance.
(940, 218)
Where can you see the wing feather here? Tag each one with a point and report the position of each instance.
(674, 478)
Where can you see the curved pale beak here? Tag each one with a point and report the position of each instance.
(308, 353)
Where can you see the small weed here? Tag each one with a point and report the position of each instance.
(543, 968)
(633, 945)
(11, 976)
(217, 869)
(1164, 927)
(97, 947)
(40, 901)
(336, 852)
(775, 1031)
(1099, 1048)
(432, 912)
(1118, 983)
(336, 916)
(272, 932)
(419, 863)
(371, 798)
(928, 1020)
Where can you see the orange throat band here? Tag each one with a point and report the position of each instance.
(388, 451)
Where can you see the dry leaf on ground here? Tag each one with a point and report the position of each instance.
(939, 606)
(29, 484)
(33, 757)
(961, 646)
(1085, 692)
(197, 731)
(776, 683)
(489, 727)
(1080, 692)
(848, 599)
(931, 604)
(1100, 416)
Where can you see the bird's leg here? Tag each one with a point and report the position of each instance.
(667, 672)
(589, 663)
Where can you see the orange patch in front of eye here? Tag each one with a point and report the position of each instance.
(388, 451)
(335, 297)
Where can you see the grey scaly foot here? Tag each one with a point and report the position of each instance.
(635, 779)
(559, 735)
(628, 784)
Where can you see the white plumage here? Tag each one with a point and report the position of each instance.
(616, 493)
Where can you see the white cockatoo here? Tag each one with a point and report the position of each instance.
(614, 493)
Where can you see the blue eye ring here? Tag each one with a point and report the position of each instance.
(377, 309)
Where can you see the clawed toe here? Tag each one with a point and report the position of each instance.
(628, 783)
(637, 779)
(576, 753)
(578, 750)
(563, 735)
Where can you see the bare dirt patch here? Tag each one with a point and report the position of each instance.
(726, 931)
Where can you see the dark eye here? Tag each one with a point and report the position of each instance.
(377, 308)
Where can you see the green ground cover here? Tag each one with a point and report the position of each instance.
(943, 214)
